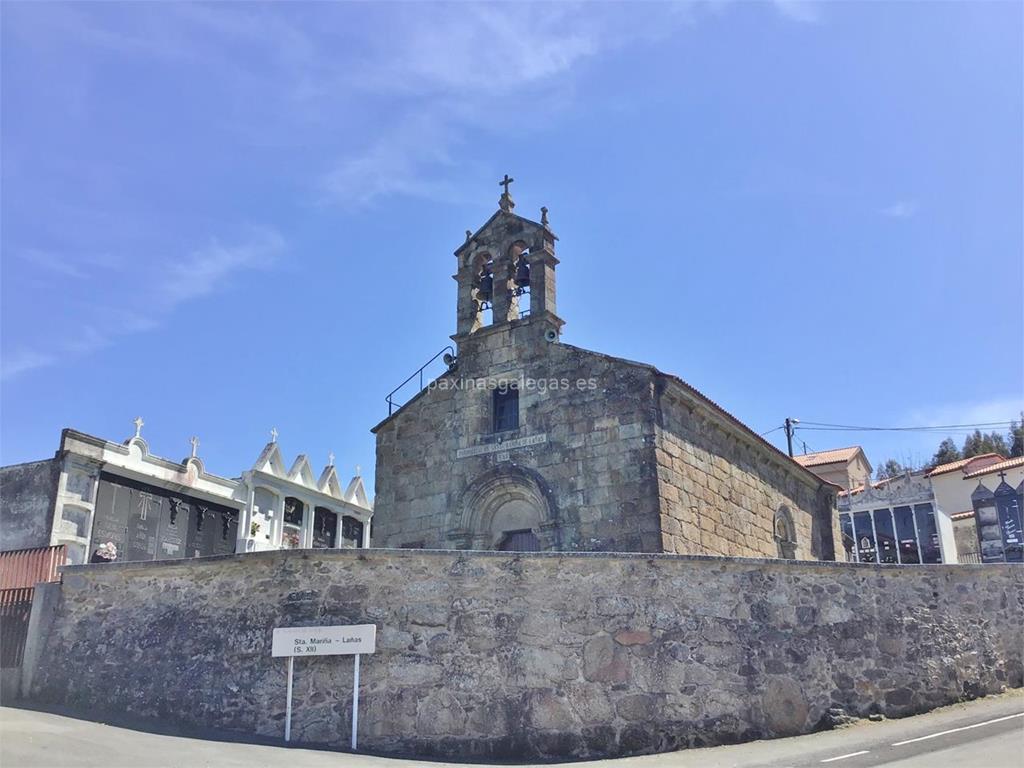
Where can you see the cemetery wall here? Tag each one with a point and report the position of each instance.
(493, 655)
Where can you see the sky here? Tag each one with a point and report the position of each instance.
(234, 217)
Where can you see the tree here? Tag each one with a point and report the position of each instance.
(891, 468)
(1017, 437)
(947, 452)
(979, 443)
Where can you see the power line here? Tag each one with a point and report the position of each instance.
(826, 427)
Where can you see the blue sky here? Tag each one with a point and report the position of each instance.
(232, 217)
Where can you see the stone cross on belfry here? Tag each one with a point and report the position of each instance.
(330, 459)
(505, 203)
(1002, 475)
(138, 426)
(273, 435)
(195, 445)
(359, 471)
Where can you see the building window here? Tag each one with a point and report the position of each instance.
(927, 534)
(905, 535)
(885, 536)
(506, 408)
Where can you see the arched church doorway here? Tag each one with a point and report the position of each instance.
(519, 541)
(505, 510)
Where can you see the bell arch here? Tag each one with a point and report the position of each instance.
(505, 501)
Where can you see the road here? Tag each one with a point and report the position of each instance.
(988, 732)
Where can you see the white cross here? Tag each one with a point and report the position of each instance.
(195, 445)
(273, 435)
(330, 459)
(138, 426)
(359, 471)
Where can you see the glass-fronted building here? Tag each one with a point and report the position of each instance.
(895, 521)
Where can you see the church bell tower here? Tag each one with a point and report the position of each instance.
(506, 276)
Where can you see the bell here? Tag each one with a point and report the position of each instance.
(523, 274)
(486, 287)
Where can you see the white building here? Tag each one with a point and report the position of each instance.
(896, 521)
(94, 491)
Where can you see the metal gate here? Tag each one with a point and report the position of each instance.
(20, 571)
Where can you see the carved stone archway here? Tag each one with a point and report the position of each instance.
(503, 501)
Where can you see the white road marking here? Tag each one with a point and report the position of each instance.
(843, 757)
(954, 730)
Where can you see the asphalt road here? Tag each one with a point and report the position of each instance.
(987, 733)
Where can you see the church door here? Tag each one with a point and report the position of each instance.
(520, 541)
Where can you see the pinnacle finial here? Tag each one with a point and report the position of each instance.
(469, 234)
(543, 215)
(195, 445)
(273, 435)
(138, 426)
(359, 471)
(330, 459)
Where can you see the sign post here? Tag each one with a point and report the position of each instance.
(352, 640)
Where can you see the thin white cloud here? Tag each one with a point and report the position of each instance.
(23, 361)
(195, 276)
(203, 270)
(463, 67)
(804, 11)
(901, 209)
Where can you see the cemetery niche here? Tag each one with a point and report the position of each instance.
(146, 522)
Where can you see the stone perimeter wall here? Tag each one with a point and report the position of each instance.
(531, 656)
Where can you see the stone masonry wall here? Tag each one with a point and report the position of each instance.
(530, 656)
(27, 497)
(625, 466)
(719, 494)
(595, 466)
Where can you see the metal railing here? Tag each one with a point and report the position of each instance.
(391, 395)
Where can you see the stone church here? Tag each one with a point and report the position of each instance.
(529, 443)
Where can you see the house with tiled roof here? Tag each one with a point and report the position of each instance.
(848, 468)
(964, 486)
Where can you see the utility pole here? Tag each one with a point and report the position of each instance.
(790, 426)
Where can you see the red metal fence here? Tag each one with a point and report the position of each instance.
(26, 567)
(20, 571)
